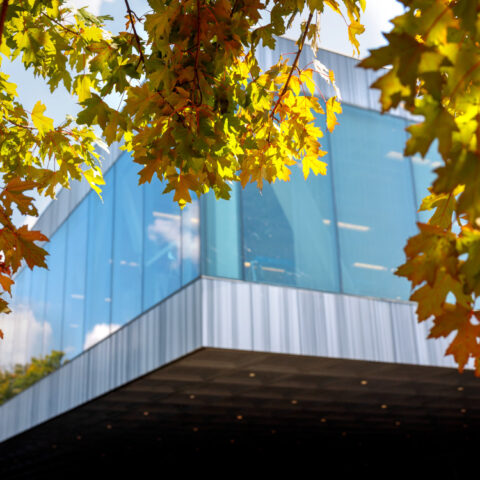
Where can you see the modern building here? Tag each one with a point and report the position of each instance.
(269, 328)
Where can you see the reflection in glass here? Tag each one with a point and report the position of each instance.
(190, 225)
(289, 233)
(37, 330)
(374, 200)
(161, 267)
(74, 302)
(127, 243)
(9, 323)
(221, 241)
(55, 290)
(98, 291)
(423, 176)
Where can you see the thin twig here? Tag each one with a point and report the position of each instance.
(294, 66)
(27, 127)
(132, 21)
(61, 25)
(3, 15)
(234, 7)
(197, 54)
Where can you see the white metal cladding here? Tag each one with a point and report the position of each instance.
(277, 319)
(230, 314)
(168, 331)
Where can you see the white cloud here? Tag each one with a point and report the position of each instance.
(24, 336)
(99, 332)
(395, 155)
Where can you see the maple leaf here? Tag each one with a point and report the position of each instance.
(332, 107)
(31, 253)
(6, 283)
(42, 123)
(13, 193)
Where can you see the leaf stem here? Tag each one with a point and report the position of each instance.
(294, 66)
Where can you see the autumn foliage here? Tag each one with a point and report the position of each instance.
(198, 112)
(434, 54)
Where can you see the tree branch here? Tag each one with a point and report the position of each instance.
(294, 66)
(3, 15)
(132, 21)
(197, 54)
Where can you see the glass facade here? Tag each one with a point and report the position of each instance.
(110, 260)
(114, 258)
(343, 232)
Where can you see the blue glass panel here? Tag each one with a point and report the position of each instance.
(37, 310)
(423, 175)
(52, 338)
(98, 292)
(128, 240)
(221, 235)
(161, 268)
(190, 241)
(23, 320)
(374, 200)
(289, 233)
(75, 281)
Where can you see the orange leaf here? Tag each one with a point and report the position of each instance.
(6, 283)
(13, 193)
(32, 254)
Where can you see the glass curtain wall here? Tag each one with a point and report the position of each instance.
(112, 259)
(343, 232)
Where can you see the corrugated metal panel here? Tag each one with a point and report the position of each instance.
(168, 331)
(277, 319)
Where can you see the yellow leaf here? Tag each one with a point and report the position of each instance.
(311, 162)
(333, 107)
(42, 123)
(83, 87)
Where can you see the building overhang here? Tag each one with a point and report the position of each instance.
(243, 403)
(225, 363)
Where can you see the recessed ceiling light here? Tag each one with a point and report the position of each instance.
(251, 374)
(384, 406)
(460, 389)
(192, 397)
(294, 402)
(363, 382)
(239, 417)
